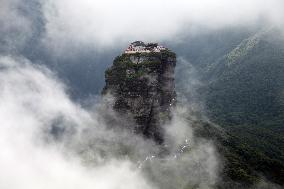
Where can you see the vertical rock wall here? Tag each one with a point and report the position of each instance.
(143, 88)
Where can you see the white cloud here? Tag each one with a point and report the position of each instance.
(71, 24)
(87, 153)
(104, 23)
(30, 101)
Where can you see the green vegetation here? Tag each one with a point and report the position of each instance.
(246, 98)
(243, 92)
(123, 68)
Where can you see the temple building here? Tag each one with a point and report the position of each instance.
(141, 47)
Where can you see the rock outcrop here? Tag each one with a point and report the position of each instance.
(143, 88)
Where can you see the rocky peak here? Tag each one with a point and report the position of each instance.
(143, 88)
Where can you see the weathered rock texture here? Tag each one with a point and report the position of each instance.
(143, 88)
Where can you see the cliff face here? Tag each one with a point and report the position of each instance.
(143, 88)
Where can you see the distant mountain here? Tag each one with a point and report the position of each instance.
(243, 91)
(246, 85)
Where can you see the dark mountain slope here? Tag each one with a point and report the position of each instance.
(247, 84)
(242, 91)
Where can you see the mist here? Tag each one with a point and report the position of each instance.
(63, 25)
(108, 23)
(32, 102)
(48, 141)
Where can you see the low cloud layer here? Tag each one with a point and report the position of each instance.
(48, 141)
(31, 102)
